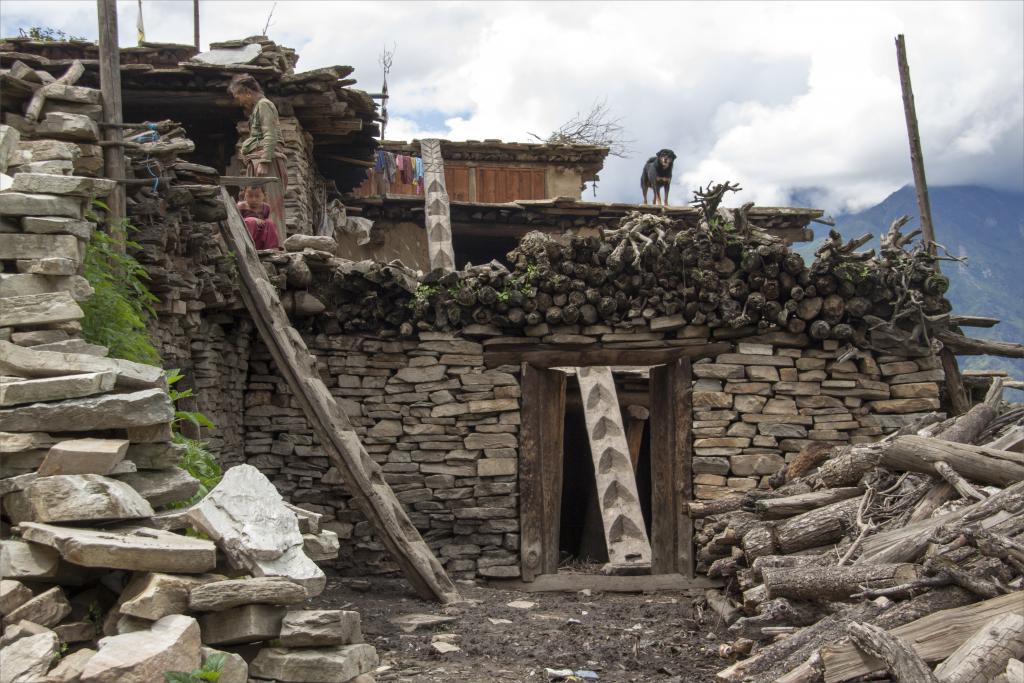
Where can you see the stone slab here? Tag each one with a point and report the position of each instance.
(171, 644)
(52, 225)
(318, 628)
(107, 411)
(18, 361)
(76, 498)
(155, 456)
(155, 595)
(13, 594)
(28, 561)
(314, 665)
(17, 392)
(162, 487)
(223, 595)
(84, 456)
(46, 609)
(40, 309)
(21, 284)
(27, 660)
(244, 624)
(22, 204)
(322, 546)
(46, 183)
(134, 548)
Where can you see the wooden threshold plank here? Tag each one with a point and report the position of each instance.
(571, 582)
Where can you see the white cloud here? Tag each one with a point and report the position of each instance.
(780, 97)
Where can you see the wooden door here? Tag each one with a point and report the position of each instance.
(671, 469)
(500, 184)
(540, 469)
(456, 180)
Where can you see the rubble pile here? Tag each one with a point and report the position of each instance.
(900, 555)
(106, 575)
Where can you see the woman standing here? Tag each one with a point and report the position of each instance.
(260, 151)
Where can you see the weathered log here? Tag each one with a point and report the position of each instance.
(833, 583)
(985, 654)
(808, 530)
(919, 454)
(852, 463)
(777, 508)
(781, 561)
(936, 496)
(934, 637)
(967, 346)
(777, 612)
(900, 659)
(979, 586)
(962, 486)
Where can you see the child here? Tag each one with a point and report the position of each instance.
(255, 212)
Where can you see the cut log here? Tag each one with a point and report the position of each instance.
(936, 496)
(919, 454)
(900, 659)
(933, 637)
(849, 465)
(834, 583)
(363, 476)
(985, 654)
(966, 346)
(781, 561)
(778, 508)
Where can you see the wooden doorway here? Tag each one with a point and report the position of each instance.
(541, 463)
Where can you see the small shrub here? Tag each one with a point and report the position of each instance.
(209, 673)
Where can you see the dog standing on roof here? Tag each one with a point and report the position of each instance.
(658, 174)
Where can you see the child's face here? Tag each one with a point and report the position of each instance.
(254, 197)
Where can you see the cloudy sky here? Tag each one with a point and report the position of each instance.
(797, 102)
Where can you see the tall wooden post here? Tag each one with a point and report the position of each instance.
(110, 87)
(959, 403)
(195, 23)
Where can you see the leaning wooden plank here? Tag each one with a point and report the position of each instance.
(363, 477)
(629, 550)
(933, 637)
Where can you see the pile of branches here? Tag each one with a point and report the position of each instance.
(720, 273)
(899, 556)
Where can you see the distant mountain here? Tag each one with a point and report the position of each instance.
(987, 227)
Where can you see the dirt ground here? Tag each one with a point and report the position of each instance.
(624, 638)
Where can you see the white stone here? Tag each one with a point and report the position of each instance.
(21, 560)
(106, 411)
(162, 487)
(76, 498)
(154, 595)
(172, 644)
(45, 183)
(50, 225)
(317, 242)
(77, 127)
(20, 284)
(314, 665)
(22, 204)
(247, 518)
(40, 309)
(316, 628)
(322, 546)
(84, 456)
(28, 659)
(18, 361)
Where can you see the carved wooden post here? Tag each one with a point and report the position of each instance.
(438, 218)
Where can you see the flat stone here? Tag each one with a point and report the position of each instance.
(171, 644)
(710, 465)
(318, 628)
(162, 487)
(9, 139)
(414, 622)
(41, 309)
(16, 483)
(84, 456)
(223, 595)
(55, 388)
(52, 225)
(750, 348)
(915, 377)
(18, 361)
(244, 624)
(667, 323)
(27, 660)
(797, 388)
(76, 498)
(755, 359)
(76, 631)
(29, 561)
(317, 242)
(322, 546)
(63, 126)
(21, 629)
(915, 390)
(134, 548)
(483, 440)
(55, 167)
(69, 668)
(904, 405)
(718, 371)
(782, 430)
(493, 405)
(247, 517)
(496, 467)
(47, 150)
(22, 204)
(756, 463)
(46, 609)
(48, 267)
(235, 669)
(45, 183)
(21, 284)
(11, 442)
(155, 456)
(154, 595)
(36, 337)
(711, 399)
(420, 375)
(314, 665)
(107, 411)
(13, 594)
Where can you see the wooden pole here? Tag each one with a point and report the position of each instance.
(916, 157)
(110, 88)
(958, 401)
(195, 23)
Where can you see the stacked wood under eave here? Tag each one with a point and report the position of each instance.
(905, 556)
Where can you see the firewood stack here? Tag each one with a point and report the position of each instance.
(898, 555)
(721, 273)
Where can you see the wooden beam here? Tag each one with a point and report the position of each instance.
(110, 90)
(671, 469)
(916, 157)
(968, 346)
(558, 355)
(195, 24)
(572, 582)
(363, 477)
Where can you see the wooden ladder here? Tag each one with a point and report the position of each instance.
(629, 549)
(363, 477)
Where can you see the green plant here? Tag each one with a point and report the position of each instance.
(195, 417)
(46, 34)
(121, 305)
(210, 672)
(197, 460)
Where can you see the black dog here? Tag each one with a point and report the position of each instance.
(658, 174)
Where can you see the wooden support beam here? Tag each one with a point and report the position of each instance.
(195, 24)
(968, 346)
(363, 477)
(916, 156)
(110, 90)
(554, 356)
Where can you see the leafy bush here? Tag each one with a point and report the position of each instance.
(47, 34)
(197, 460)
(209, 673)
(117, 313)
